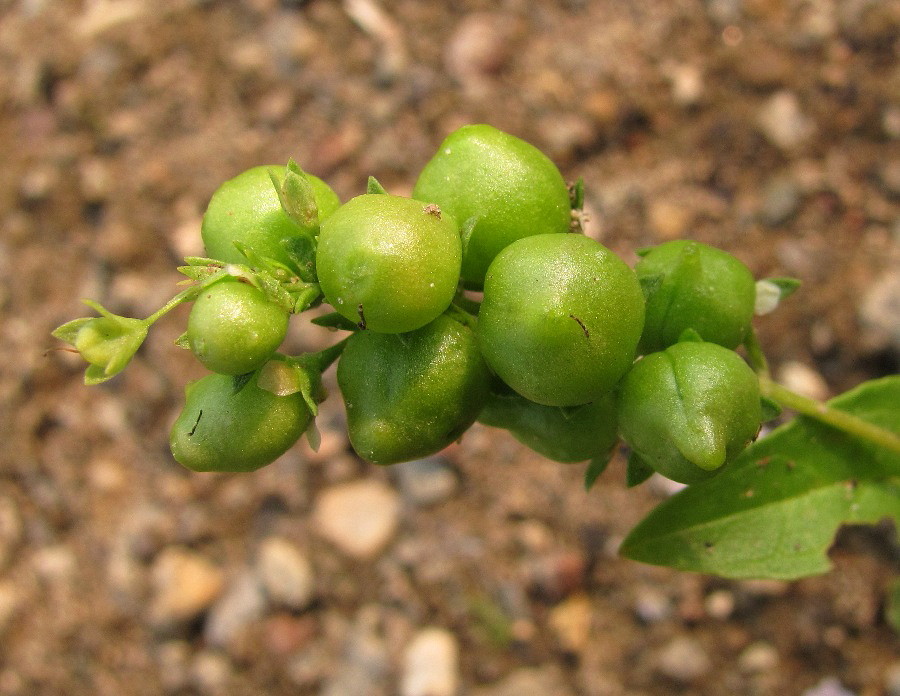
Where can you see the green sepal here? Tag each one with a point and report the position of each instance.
(786, 284)
(576, 194)
(183, 342)
(595, 467)
(286, 377)
(200, 268)
(374, 186)
(771, 409)
(465, 232)
(690, 336)
(238, 382)
(637, 471)
(68, 331)
(650, 284)
(335, 321)
(296, 195)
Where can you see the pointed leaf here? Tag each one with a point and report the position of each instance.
(374, 186)
(595, 467)
(775, 510)
(638, 471)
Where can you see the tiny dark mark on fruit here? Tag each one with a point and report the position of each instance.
(433, 209)
(194, 429)
(581, 324)
(763, 462)
(362, 318)
(790, 464)
(708, 544)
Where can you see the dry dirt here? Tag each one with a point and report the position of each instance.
(767, 128)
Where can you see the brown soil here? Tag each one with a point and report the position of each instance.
(767, 128)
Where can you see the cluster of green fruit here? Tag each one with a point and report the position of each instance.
(477, 299)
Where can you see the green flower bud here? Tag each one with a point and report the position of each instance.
(689, 410)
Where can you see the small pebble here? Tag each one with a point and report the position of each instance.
(359, 517)
(211, 672)
(719, 604)
(185, 584)
(783, 122)
(781, 200)
(892, 679)
(242, 604)
(683, 660)
(426, 481)
(172, 660)
(431, 664)
(364, 665)
(286, 573)
(652, 606)
(829, 686)
(758, 658)
(10, 528)
(879, 313)
(804, 380)
(10, 602)
(540, 681)
(570, 622)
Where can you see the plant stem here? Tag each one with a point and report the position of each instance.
(755, 355)
(183, 296)
(830, 416)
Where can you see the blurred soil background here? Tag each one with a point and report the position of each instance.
(769, 128)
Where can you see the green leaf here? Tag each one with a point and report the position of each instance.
(690, 336)
(374, 186)
(638, 471)
(595, 467)
(775, 510)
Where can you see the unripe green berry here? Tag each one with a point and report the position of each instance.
(690, 285)
(689, 410)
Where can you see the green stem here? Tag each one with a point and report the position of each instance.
(183, 296)
(830, 416)
(755, 355)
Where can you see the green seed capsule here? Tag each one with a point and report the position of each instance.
(561, 318)
(221, 429)
(506, 187)
(689, 410)
(410, 395)
(564, 435)
(234, 329)
(689, 285)
(246, 209)
(389, 263)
